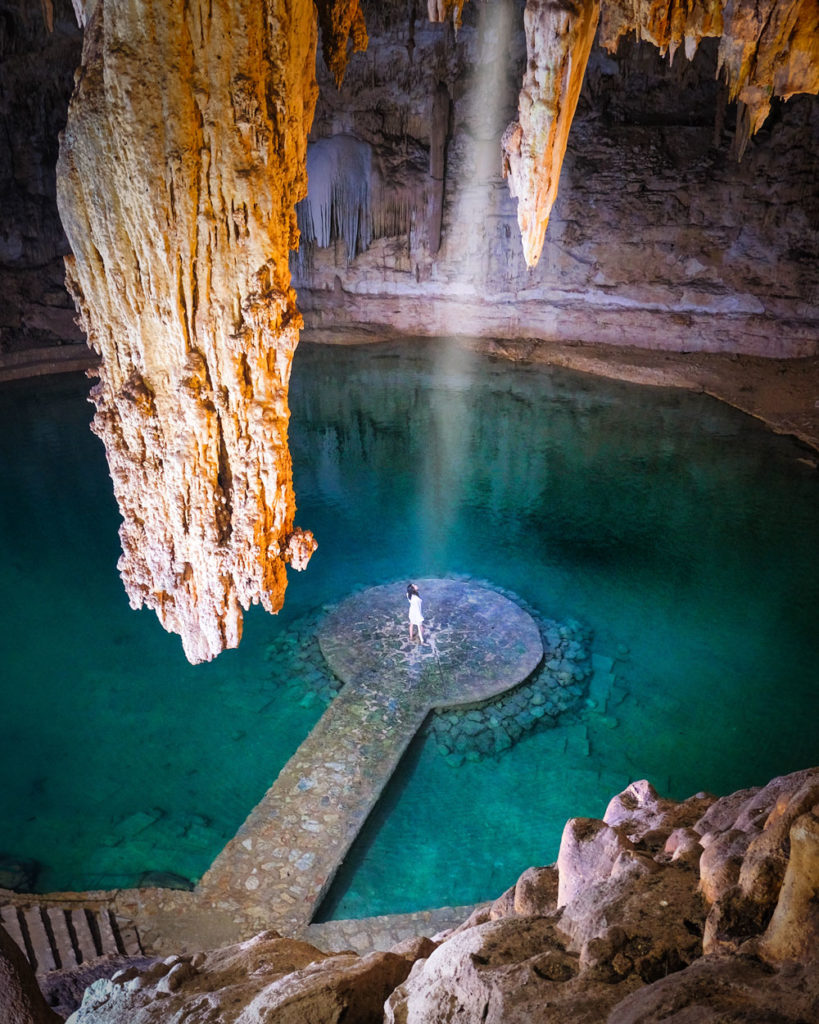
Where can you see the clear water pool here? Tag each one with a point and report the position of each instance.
(682, 532)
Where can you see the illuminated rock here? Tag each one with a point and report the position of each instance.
(768, 49)
(793, 933)
(180, 166)
(445, 10)
(558, 41)
(342, 25)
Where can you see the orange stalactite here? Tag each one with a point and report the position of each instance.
(177, 181)
(342, 25)
(445, 10)
(558, 41)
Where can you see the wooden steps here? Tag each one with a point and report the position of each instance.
(54, 937)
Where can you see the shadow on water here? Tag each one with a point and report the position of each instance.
(387, 805)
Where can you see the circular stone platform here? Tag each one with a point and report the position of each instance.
(478, 644)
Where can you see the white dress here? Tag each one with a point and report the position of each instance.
(415, 615)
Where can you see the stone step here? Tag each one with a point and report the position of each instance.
(602, 681)
(54, 937)
(41, 942)
(10, 921)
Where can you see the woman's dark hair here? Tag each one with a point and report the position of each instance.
(411, 589)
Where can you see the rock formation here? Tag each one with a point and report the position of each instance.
(342, 25)
(445, 10)
(769, 49)
(21, 1001)
(622, 930)
(267, 978)
(558, 42)
(658, 238)
(179, 170)
(699, 910)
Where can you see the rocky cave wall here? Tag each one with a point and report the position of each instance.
(698, 911)
(659, 236)
(36, 79)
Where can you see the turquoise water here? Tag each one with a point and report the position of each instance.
(682, 532)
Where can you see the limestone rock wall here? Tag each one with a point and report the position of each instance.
(179, 169)
(658, 237)
(36, 79)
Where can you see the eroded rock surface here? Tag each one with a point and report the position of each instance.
(267, 978)
(658, 237)
(21, 1001)
(558, 41)
(180, 166)
(620, 937)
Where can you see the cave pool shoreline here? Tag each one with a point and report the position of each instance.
(782, 393)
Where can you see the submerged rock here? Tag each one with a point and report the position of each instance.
(18, 875)
(555, 686)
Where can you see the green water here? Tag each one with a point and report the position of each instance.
(681, 531)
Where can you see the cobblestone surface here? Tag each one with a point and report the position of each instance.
(368, 934)
(277, 868)
(275, 871)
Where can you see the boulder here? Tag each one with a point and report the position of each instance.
(590, 851)
(723, 813)
(766, 859)
(21, 1001)
(504, 905)
(733, 920)
(683, 844)
(418, 947)
(640, 810)
(510, 971)
(721, 862)
(259, 980)
(724, 990)
(63, 989)
(660, 914)
(793, 933)
(535, 892)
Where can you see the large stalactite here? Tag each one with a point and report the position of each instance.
(179, 170)
(559, 39)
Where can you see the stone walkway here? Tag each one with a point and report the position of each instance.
(367, 934)
(276, 870)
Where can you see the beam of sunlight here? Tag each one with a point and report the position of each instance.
(444, 477)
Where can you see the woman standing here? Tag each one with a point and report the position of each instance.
(416, 615)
